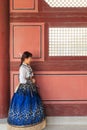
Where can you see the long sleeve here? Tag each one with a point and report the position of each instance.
(25, 73)
(22, 75)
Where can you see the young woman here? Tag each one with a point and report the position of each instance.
(26, 111)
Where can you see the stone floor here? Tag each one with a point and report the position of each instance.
(56, 127)
(83, 126)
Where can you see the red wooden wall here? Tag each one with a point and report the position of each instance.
(62, 81)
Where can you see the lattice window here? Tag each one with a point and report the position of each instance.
(67, 3)
(67, 41)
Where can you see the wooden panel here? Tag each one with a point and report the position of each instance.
(62, 87)
(59, 107)
(24, 6)
(52, 84)
(13, 82)
(27, 36)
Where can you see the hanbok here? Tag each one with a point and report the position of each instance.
(26, 111)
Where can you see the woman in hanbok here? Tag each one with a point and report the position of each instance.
(26, 111)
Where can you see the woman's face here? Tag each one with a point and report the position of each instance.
(28, 60)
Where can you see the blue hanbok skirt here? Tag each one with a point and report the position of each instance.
(26, 107)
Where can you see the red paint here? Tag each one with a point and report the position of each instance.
(24, 6)
(66, 109)
(54, 97)
(58, 86)
(62, 80)
(4, 58)
(27, 36)
(62, 87)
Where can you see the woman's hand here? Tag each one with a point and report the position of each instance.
(16, 88)
(33, 80)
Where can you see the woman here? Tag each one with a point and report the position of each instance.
(26, 109)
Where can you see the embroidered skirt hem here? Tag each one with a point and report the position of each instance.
(38, 126)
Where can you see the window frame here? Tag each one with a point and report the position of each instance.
(56, 58)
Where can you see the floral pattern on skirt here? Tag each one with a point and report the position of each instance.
(26, 107)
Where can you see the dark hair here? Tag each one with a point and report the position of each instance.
(26, 54)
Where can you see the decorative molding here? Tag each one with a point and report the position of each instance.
(58, 65)
(34, 8)
(66, 109)
(15, 73)
(14, 26)
(12, 44)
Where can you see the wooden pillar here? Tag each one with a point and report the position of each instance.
(4, 58)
